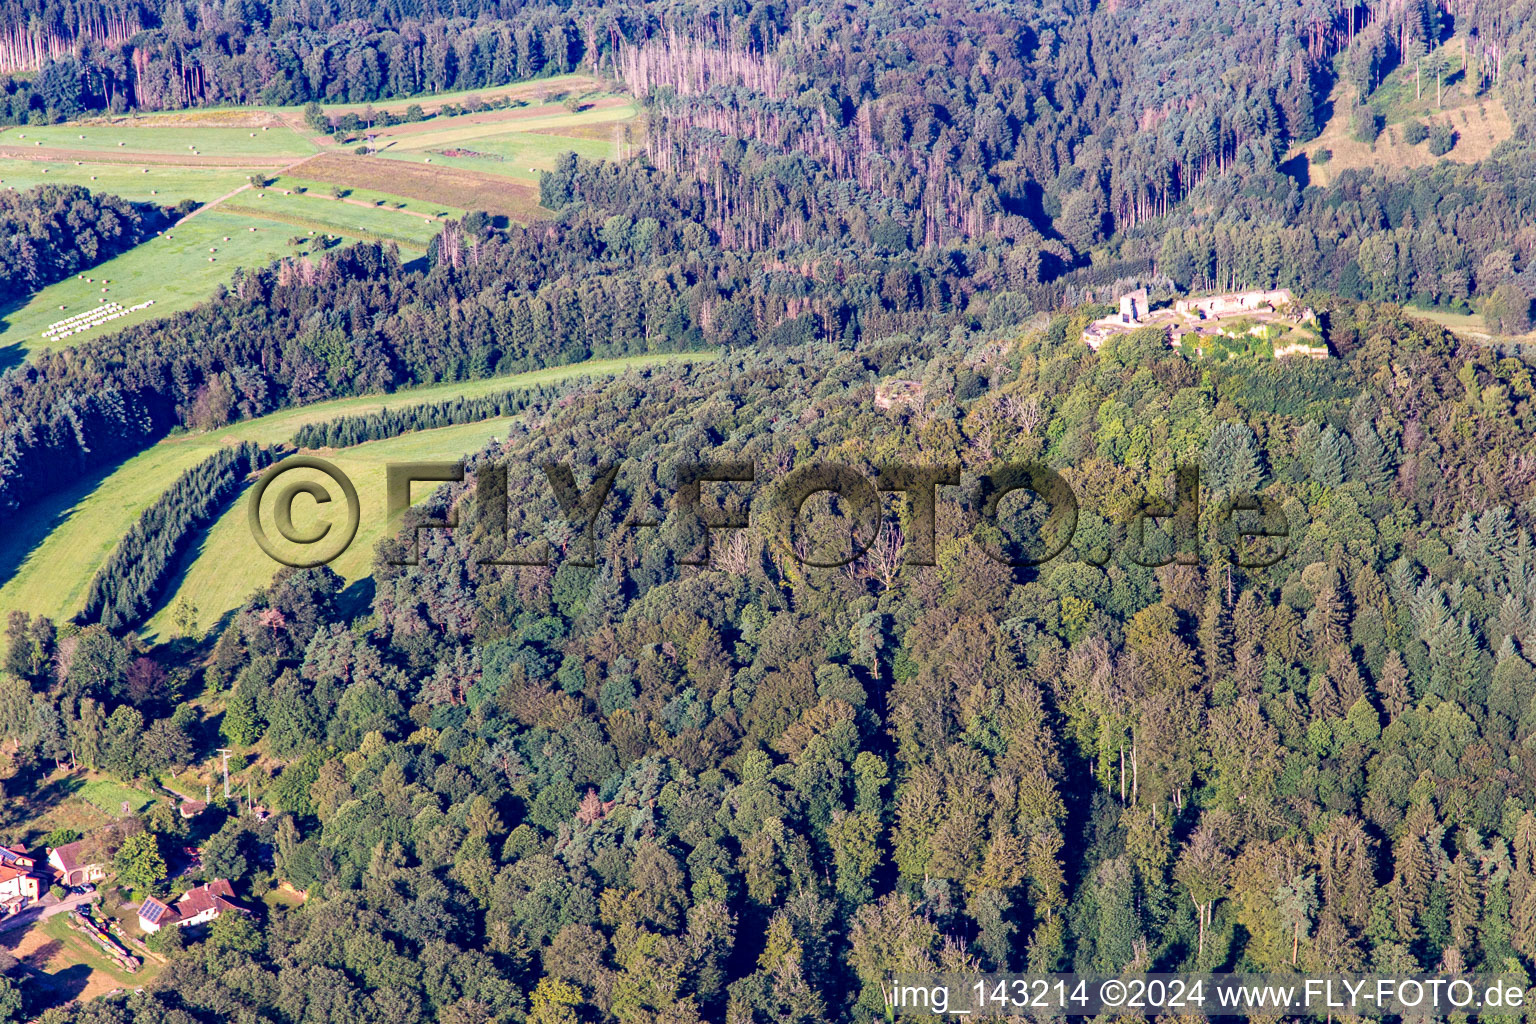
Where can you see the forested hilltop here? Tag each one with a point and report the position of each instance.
(649, 791)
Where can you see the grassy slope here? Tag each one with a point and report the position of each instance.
(1468, 325)
(1480, 123)
(220, 572)
(173, 269)
(51, 553)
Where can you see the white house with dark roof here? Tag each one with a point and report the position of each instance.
(204, 903)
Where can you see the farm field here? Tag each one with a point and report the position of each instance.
(209, 156)
(318, 210)
(368, 197)
(521, 156)
(161, 184)
(175, 269)
(519, 147)
(467, 189)
(162, 136)
(49, 556)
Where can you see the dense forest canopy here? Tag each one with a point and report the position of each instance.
(625, 787)
(648, 791)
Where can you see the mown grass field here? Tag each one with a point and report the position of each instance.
(522, 156)
(49, 555)
(518, 148)
(161, 184)
(158, 135)
(175, 269)
(368, 197)
(222, 570)
(320, 211)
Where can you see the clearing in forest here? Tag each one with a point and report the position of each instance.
(1479, 121)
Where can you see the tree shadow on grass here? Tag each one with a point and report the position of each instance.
(23, 534)
(49, 990)
(40, 956)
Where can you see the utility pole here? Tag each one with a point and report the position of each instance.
(224, 753)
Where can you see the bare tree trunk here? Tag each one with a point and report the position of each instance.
(1135, 777)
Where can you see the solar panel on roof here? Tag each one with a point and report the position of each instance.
(152, 911)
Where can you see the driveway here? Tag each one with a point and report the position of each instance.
(43, 910)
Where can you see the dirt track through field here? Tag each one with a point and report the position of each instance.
(231, 194)
(492, 117)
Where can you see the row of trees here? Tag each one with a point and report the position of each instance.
(192, 56)
(345, 431)
(125, 589)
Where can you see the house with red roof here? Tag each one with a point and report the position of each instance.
(71, 865)
(204, 903)
(20, 882)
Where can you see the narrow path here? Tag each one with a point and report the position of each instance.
(42, 911)
(232, 193)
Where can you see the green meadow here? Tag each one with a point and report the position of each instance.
(48, 555)
(175, 269)
(521, 156)
(161, 184)
(226, 566)
(164, 139)
(318, 209)
(319, 189)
